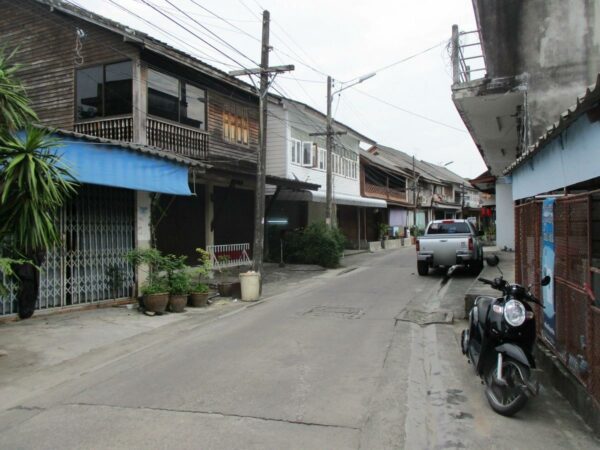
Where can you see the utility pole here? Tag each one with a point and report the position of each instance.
(329, 133)
(261, 160)
(462, 200)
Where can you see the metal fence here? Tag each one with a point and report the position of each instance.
(577, 316)
(97, 229)
(229, 255)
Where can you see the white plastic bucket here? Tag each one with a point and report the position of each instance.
(250, 283)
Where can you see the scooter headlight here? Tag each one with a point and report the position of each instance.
(514, 313)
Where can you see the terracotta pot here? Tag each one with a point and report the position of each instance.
(230, 289)
(199, 299)
(413, 240)
(156, 302)
(177, 303)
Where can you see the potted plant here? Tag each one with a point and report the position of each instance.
(155, 294)
(199, 295)
(179, 288)
(414, 231)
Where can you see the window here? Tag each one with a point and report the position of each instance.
(322, 159)
(176, 100)
(235, 124)
(448, 228)
(104, 90)
(296, 147)
(307, 154)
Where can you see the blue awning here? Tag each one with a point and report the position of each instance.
(118, 166)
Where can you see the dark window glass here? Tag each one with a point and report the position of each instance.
(163, 95)
(192, 106)
(89, 92)
(448, 228)
(117, 89)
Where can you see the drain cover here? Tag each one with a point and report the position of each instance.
(426, 317)
(343, 312)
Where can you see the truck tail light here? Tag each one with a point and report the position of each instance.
(418, 245)
(470, 243)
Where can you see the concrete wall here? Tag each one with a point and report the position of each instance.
(505, 214)
(142, 230)
(554, 43)
(563, 162)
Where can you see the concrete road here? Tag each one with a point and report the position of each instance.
(334, 363)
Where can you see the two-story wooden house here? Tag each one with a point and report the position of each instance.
(89, 75)
(293, 153)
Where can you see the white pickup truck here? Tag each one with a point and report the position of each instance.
(449, 242)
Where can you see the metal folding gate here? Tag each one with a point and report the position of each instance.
(577, 307)
(97, 229)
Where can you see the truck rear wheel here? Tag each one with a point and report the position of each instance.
(422, 268)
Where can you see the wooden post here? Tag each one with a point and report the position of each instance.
(139, 102)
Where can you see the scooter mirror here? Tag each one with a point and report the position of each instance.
(546, 280)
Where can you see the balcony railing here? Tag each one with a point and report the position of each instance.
(385, 193)
(117, 128)
(468, 62)
(168, 136)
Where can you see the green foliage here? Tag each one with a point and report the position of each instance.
(199, 288)
(383, 230)
(155, 285)
(34, 186)
(316, 244)
(15, 111)
(180, 283)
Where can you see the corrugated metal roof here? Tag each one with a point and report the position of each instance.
(145, 149)
(584, 103)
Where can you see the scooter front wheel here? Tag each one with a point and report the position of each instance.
(507, 396)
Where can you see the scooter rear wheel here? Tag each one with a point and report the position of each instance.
(509, 398)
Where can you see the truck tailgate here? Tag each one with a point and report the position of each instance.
(444, 247)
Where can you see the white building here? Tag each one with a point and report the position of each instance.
(293, 153)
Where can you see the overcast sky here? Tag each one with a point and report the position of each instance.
(346, 39)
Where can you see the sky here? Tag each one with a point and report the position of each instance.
(407, 106)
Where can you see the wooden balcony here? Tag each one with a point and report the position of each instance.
(386, 193)
(168, 136)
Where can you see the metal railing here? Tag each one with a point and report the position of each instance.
(181, 139)
(229, 255)
(468, 61)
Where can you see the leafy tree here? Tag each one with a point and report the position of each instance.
(33, 187)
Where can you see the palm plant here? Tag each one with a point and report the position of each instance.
(33, 187)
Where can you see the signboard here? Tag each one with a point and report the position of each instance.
(549, 325)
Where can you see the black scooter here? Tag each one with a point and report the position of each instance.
(499, 343)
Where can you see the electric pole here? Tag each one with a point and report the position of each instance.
(261, 158)
(329, 133)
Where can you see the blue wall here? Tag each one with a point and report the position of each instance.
(560, 164)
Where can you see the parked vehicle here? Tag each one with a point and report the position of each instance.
(447, 243)
(499, 343)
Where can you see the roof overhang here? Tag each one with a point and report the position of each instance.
(340, 199)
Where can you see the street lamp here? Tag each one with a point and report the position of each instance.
(329, 140)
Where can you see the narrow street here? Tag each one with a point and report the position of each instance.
(334, 364)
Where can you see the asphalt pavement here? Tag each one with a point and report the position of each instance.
(363, 357)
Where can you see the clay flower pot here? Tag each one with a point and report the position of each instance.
(156, 302)
(230, 289)
(199, 299)
(177, 303)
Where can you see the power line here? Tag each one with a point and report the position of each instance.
(192, 33)
(205, 56)
(391, 105)
(225, 20)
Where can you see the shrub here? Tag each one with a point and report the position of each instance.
(316, 244)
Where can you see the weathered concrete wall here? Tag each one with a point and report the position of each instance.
(505, 215)
(555, 43)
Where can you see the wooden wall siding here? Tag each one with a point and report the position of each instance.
(46, 48)
(219, 148)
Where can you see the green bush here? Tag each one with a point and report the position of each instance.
(315, 244)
